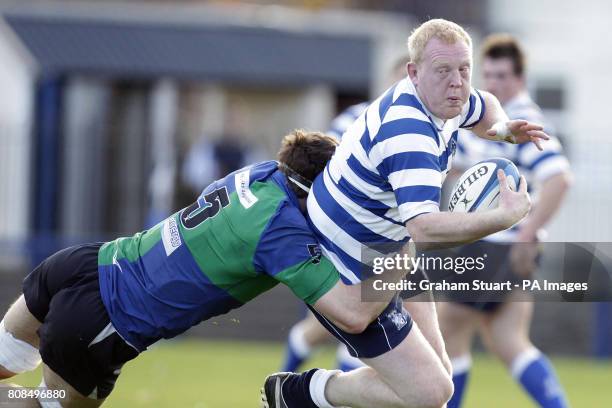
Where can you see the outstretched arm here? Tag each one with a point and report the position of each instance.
(495, 125)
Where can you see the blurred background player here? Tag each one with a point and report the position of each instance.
(308, 333)
(211, 158)
(504, 327)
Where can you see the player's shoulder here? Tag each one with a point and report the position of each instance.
(261, 171)
(286, 226)
(403, 104)
(287, 212)
(254, 177)
(404, 93)
(257, 189)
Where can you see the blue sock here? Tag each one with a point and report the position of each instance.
(537, 376)
(345, 362)
(461, 373)
(297, 349)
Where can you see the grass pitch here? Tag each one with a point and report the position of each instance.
(228, 374)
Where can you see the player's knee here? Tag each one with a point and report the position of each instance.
(357, 325)
(446, 362)
(506, 347)
(435, 393)
(352, 322)
(16, 356)
(446, 390)
(441, 393)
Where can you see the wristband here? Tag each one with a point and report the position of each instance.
(502, 132)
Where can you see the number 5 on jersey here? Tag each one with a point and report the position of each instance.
(202, 210)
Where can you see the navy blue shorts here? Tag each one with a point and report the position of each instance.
(498, 270)
(388, 330)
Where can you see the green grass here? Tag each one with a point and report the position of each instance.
(226, 374)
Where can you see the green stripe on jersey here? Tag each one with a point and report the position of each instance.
(310, 281)
(223, 246)
(130, 248)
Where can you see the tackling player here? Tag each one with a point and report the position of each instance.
(88, 309)
(504, 326)
(383, 186)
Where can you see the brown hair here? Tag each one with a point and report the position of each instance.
(498, 46)
(305, 153)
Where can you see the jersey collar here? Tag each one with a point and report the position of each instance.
(438, 123)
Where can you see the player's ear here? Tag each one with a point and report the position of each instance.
(411, 67)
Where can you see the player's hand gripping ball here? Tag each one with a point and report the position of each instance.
(478, 188)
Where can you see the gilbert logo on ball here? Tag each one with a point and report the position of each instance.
(478, 188)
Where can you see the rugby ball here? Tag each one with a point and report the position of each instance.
(478, 188)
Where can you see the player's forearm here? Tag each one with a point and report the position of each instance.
(447, 229)
(389, 276)
(493, 113)
(371, 310)
(551, 196)
(343, 304)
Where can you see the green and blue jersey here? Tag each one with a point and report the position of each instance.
(243, 235)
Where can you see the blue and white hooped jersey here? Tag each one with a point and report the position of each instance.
(388, 168)
(534, 164)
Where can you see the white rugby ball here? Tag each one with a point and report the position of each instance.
(478, 188)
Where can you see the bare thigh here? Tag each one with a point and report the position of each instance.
(314, 332)
(21, 323)
(414, 371)
(422, 309)
(458, 324)
(506, 332)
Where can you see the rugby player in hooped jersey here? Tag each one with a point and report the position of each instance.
(308, 333)
(88, 309)
(383, 186)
